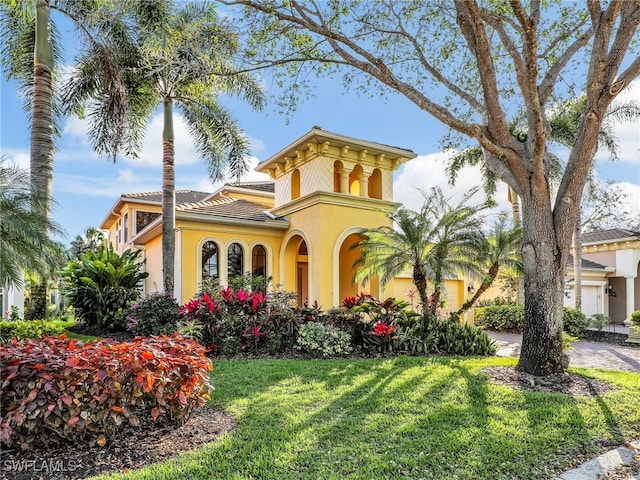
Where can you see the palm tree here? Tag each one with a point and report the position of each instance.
(436, 243)
(25, 246)
(29, 51)
(89, 241)
(499, 250)
(184, 62)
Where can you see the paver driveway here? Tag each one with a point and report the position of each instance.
(586, 354)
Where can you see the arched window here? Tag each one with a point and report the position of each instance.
(354, 180)
(235, 257)
(295, 184)
(375, 184)
(210, 257)
(259, 261)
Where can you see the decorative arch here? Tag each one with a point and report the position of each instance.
(354, 180)
(295, 184)
(343, 259)
(291, 264)
(375, 184)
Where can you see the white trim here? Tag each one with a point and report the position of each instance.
(177, 276)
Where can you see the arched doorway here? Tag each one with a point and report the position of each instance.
(346, 258)
(296, 268)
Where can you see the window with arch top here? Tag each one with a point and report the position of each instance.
(235, 260)
(295, 184)
(210, 260)
(259, 261)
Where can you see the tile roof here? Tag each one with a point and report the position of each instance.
(182, 196)
(586, 264)
(230, 208)
(609, 235)
(262, 186)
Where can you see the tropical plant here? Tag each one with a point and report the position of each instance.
(474, 66)
(599, 321)
(154, 314)
(436, 243)
(25, 245)
(29, 51)
(326, 340)
(185, 61)
(91, 239)
(101, 285)
(500, 249)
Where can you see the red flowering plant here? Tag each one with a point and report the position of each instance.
(383, 319)
(244, 312)
(205, 310)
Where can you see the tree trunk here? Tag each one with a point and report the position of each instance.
(544, 260)
(420, 282)
(168, 198)
(486, 283)
(41, 160)
(577, 262)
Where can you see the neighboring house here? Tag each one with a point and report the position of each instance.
(11, 297)
(297, 228)
(610, 274)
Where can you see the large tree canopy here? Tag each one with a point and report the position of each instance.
(474, 66)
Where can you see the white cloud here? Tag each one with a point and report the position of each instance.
(106, 186)
(633, 194)
(257, 145)
(20, 158)
(427, 171)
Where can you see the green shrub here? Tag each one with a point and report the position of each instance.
(454, 338)
(574, 322)
(511, 317)
(599, 321)
(231, 345)
(325, 340)
(155, 314)
(635, 318)
(97, 387)
(22, 329)
(496, 317)
(101, 284)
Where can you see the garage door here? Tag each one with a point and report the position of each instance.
(589, 299)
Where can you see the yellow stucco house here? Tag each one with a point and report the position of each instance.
(297, 228)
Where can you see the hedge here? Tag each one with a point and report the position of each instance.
(511, 317)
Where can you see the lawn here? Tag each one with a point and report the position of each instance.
(404, 417)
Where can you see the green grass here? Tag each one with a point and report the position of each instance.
(405, 417)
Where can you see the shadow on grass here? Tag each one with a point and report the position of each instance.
(401, 417)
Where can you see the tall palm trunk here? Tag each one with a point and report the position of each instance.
(168, 197)
(42, 127)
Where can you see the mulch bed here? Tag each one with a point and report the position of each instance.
(131, 448)
(565, 383)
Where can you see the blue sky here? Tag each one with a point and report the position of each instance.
(86, 185)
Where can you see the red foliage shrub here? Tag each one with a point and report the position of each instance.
(57, 389)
